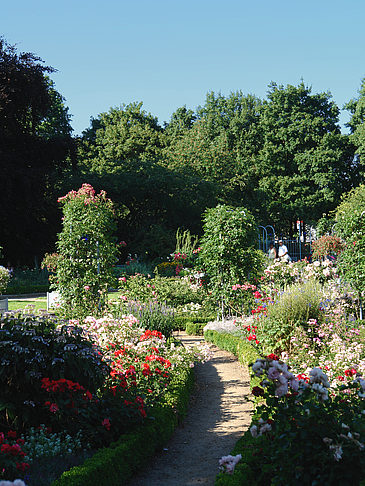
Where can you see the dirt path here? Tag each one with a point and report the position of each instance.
(218, 415)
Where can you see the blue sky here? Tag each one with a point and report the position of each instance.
(170, 53)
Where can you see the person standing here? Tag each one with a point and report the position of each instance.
(272, 253)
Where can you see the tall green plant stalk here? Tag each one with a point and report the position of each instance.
(185, 242)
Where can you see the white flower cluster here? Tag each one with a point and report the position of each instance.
(191, 308)
(319, 382)
(261, 429)
(227, 325)
(108, 329)
(228, 463)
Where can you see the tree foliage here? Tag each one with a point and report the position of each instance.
(304, 163)
(120, 137)
(32, 157)
(357, 122)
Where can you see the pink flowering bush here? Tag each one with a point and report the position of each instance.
(334, 345)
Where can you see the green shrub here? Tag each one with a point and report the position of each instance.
(18, 289)
(228, 255)
(32, 348)
(28, 281)
(245, 353)
(173, 291)
(194, 328)
(166, 269)
(134, 267)
(181, 321)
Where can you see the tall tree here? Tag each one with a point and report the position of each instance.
(303, 156)
(119, 137)
(220, 145)
(357, 123)
(29, 157)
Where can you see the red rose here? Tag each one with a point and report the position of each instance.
(258, 391)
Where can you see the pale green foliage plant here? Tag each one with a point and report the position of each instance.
(87, 252)
(185, 242)
(40, 443)
(292, 308)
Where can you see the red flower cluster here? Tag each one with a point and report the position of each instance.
(303, 377)
(67, 394)
(273, 356)
(350, 372)
(180, 256)
(62, 385)
(257, 391)
(260, 309)
(106, 423)
(13, 450)
(151, 334)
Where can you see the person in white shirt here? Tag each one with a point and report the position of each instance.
(283, 252)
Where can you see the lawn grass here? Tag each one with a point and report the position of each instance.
(41, 302)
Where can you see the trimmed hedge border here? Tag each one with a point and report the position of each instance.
(117, 463)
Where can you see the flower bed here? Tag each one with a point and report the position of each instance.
(311, 434)
(309, 422)
(121, 381)
(117, 463)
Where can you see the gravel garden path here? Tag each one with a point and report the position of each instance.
(218, 415)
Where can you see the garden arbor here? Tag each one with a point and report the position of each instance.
(229, 253)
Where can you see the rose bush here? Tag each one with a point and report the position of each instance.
(87, 252)
(303, 417)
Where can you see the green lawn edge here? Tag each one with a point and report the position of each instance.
(117, 463)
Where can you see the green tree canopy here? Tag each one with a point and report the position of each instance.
(350, 226)
(120, 136)
(302, 157)
(357, 123)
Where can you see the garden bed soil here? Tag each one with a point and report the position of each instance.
(219, 414)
